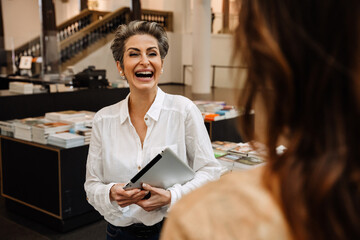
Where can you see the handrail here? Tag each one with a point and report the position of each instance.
(78, 22)
(31, 48)
(65, 29)
(93, 26)
(93, 32)
(213, 71)
(79, 16)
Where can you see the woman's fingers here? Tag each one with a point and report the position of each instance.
(127, 197)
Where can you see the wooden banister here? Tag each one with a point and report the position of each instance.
(165, 18)
(79, 16)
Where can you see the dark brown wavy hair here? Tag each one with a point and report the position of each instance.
(303, 61)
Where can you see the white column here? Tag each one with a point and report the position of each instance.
(201, 37)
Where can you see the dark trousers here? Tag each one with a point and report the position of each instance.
(137, 231)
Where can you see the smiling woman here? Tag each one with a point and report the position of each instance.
(128, 134)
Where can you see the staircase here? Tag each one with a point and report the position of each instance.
(89, 30)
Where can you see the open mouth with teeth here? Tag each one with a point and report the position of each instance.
(145, 74)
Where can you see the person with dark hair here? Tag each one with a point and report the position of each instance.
(128, 134)
(304, 81)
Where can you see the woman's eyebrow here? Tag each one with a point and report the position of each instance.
(136, 49)
(150, 48)
(132, 48)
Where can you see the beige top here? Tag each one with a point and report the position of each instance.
(236, 207)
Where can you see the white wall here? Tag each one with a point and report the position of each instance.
(21, 19)
(221, 55)
(108, 5)
(66, 10)
(101, 59)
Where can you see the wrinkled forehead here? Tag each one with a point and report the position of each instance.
(141, 42)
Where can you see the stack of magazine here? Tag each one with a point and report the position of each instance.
(66, 140)
(82, 121)
(41, 131)
(7, 128)
(22, 127)
(21, 87)
(64, 115)
(216, 110)
(86, 132)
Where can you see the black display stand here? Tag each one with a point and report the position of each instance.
(224, 130)
(46, 183)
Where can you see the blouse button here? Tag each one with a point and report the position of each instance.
(139, 167)
(146, 119)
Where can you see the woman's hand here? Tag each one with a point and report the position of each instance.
(159, 197)
(126, 197)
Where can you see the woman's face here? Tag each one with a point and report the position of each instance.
(142, 62)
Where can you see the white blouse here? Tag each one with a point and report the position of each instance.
(115, 153)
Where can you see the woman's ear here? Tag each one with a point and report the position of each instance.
(122, 74)
(118, 66)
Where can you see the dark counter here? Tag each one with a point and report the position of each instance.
(14, 106)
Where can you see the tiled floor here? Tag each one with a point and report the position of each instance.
(15, 227)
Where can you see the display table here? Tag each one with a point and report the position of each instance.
(224, 130)
(45, 183)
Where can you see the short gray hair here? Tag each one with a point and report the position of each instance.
(124, 32)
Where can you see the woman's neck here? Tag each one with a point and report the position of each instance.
(140, 102)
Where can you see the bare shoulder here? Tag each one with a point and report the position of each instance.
(237, 206)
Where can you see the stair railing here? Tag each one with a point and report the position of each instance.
(89, 37)
(65, 30)
(75, 24)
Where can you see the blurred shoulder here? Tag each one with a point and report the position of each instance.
(178, 102)
(237, 206)
(111, 111)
